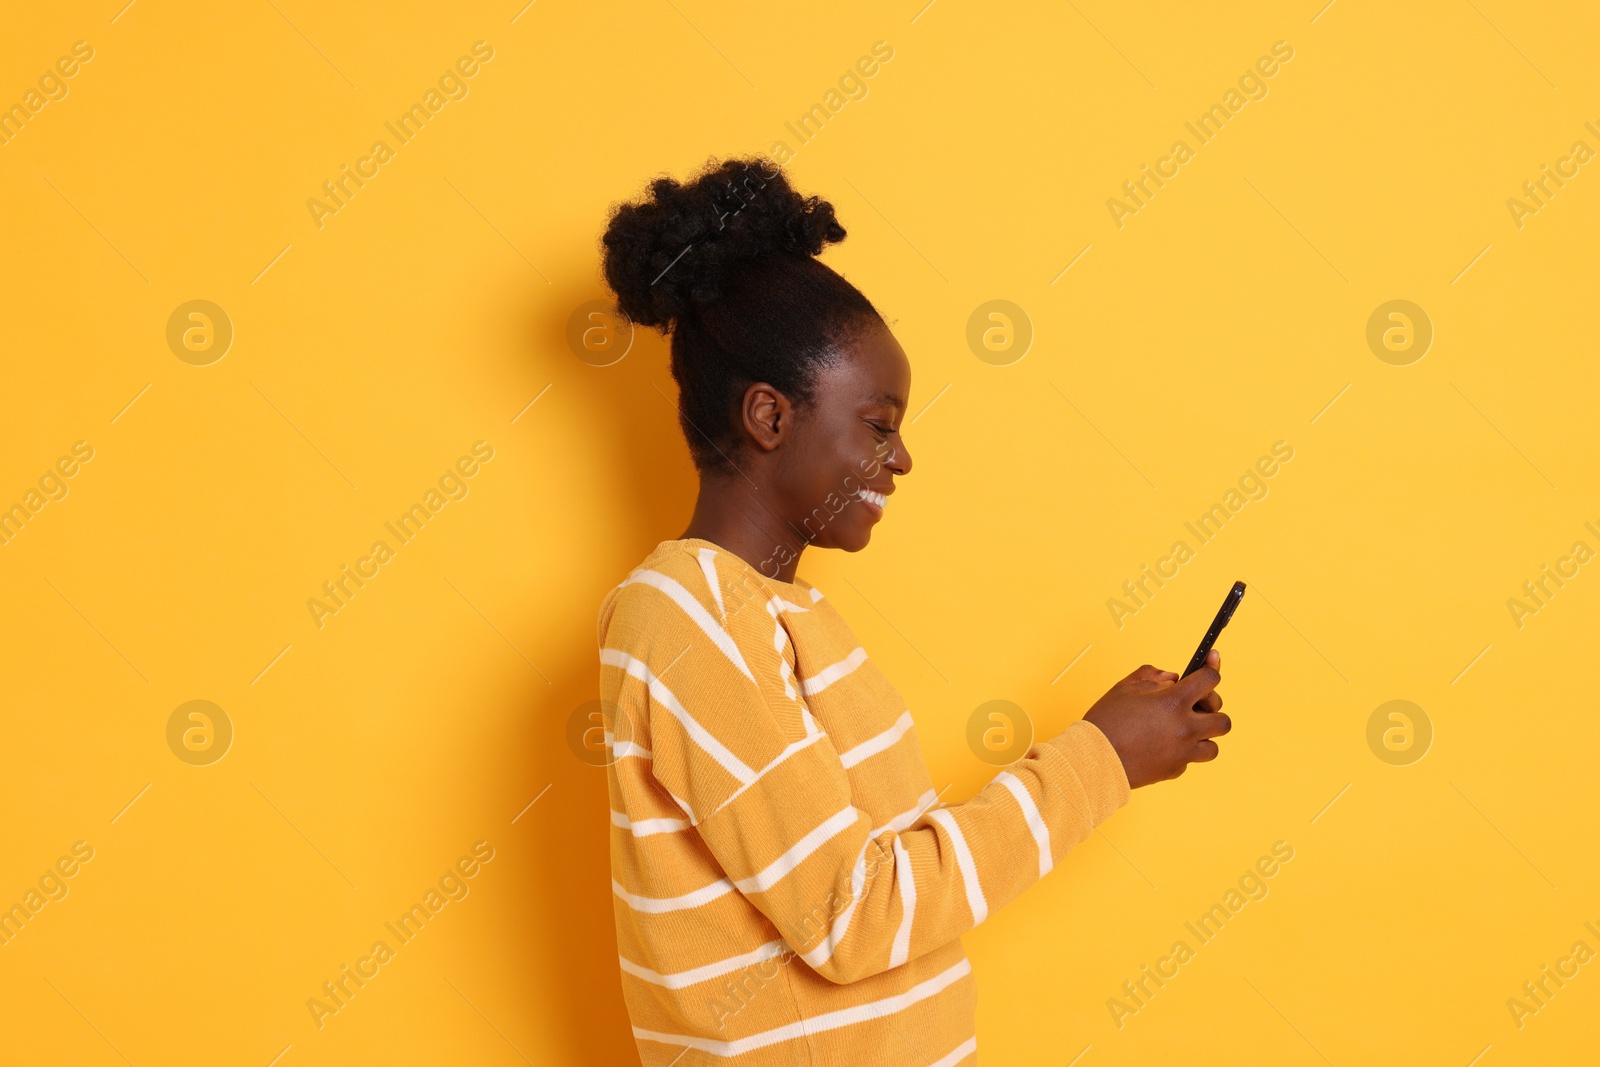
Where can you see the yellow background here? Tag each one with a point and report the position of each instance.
(430, 311)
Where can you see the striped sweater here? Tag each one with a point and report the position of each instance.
(788, 889)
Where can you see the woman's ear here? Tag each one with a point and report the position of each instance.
(768, 416)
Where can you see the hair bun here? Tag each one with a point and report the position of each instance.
(675, 250)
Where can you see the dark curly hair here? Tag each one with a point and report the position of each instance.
(725, 262)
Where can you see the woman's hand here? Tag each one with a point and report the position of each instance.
(1150, 720)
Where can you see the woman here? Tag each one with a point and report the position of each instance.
(788, 888)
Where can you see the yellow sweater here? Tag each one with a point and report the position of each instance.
(787, 887)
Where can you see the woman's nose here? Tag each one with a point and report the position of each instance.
(900, 459)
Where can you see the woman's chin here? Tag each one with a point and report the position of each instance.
(855, 538)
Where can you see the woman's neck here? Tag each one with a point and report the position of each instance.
(730, 512)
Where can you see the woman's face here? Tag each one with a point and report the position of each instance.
(847, 448)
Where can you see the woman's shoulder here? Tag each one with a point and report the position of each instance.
(695, 581)
(679, 578)
(669, 566)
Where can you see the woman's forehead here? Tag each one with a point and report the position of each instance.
(875, 369)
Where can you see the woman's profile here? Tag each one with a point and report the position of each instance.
(788, 887)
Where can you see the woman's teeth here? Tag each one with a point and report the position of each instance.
(877, 499)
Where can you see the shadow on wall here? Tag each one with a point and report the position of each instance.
(630, 408)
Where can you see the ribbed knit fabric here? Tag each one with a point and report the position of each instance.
(788, 888)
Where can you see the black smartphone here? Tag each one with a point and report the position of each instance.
(1224, 613)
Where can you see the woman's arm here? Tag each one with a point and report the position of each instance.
(854, 899)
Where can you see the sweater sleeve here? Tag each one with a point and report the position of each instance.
(736, 748)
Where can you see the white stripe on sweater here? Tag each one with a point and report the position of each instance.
(696, 611)
(823, 952)
(682, 806)
(614, 657)
(957, 1054)
(811, 723)
(832, 1020)
(779, 636)
(623, 749)
(969, 869)
(833, 672)
(696, 975)
(646, 827)
(901, 950)
(661, 905)
(874, 745)
(709, 568)
(773, 872)
(795, 746)
(1030, 812)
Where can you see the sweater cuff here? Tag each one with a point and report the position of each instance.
(1097, 766)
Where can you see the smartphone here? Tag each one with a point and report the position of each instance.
(1224, 613)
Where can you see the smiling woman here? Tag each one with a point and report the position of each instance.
(777, 767)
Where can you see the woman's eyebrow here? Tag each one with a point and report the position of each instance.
(887, 400)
